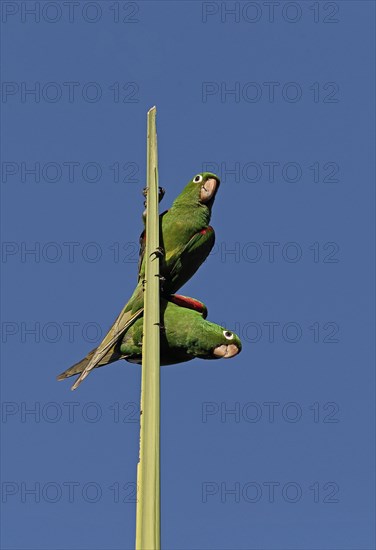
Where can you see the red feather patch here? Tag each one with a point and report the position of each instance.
(189, 303)
(206, 230)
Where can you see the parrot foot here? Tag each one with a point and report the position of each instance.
(162, 327)
(161, 193)
(159, 252)
(162, 280)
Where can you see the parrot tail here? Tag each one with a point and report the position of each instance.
(77, 367)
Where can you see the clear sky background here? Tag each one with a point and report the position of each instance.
(292, 466)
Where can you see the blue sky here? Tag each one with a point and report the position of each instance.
(273, 449)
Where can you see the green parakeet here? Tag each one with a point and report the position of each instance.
(185, 334)
(186, 239)
(185, 234)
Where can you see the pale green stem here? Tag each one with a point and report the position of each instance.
(148, 469)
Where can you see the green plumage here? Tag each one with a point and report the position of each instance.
(185, 233)
(185, 334)
(186, 239)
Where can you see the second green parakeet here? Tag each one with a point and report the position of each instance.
(185, 334)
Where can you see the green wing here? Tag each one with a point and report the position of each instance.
(192, 256)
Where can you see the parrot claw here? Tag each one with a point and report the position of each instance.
(161, 193)
(143, 284)
(161, 280)
(159, 252)
(162, 327)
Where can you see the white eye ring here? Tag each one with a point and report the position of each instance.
(198, 178)
(228, 335)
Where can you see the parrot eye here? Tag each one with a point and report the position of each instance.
(228, 335)
(198, 178)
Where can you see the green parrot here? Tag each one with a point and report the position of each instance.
(186, 239)
(185, 334)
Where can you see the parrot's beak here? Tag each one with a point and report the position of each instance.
(208, 189)
(226, 351)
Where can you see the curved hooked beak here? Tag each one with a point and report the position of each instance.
(226, 351)
(208, 189)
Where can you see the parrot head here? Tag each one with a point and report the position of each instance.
(228, 344)
(212, 341)
(201, 189)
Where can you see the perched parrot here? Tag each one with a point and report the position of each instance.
(185, 334)
(186, 239)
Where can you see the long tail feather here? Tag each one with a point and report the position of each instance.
(112, 337)
(77, 368)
